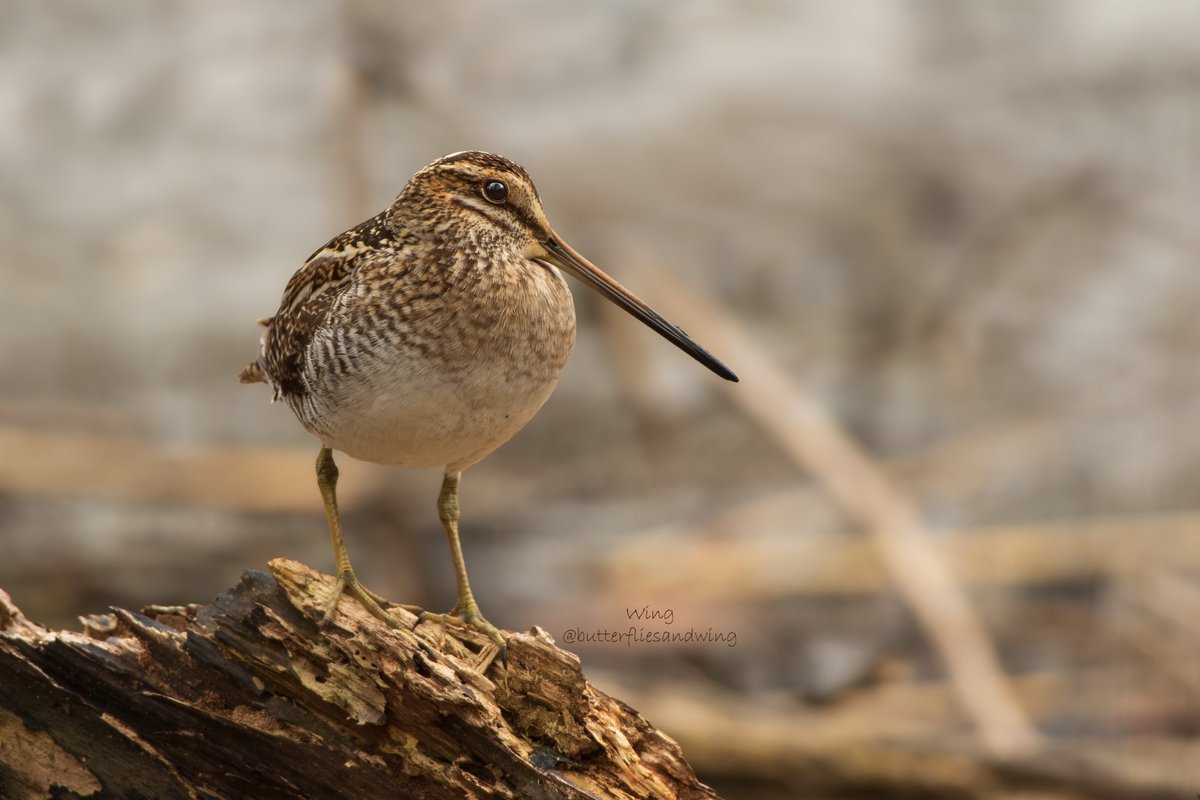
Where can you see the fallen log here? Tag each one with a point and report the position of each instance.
(247, 697)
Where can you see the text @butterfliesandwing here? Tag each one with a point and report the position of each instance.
(645, 629)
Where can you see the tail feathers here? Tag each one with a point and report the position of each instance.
(252, 373)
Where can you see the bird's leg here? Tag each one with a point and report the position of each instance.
(347, 581)
(466, 610)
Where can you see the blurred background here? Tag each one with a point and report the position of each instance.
(962, 233)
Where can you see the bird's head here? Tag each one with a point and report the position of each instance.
(492, 200)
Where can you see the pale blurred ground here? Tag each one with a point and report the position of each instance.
(968, 229)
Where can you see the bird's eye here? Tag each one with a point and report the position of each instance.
(495, 191)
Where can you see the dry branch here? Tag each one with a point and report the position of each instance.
(774, 563)
(890, 517)
(123, 467)
(246, 697)
(903, 739)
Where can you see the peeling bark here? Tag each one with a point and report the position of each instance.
(246, 697)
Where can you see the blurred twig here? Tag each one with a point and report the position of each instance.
(124, 467)
(775, 563)
(633, 367)
(814, 441)
(880, 742)
(349, 158)
(1158, 610)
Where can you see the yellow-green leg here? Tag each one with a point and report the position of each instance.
(347, 581)
(466, 610)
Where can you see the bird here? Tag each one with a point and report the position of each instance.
(428, 336)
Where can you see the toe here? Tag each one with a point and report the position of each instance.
(373, 603)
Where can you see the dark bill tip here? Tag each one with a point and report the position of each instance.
(564, 257)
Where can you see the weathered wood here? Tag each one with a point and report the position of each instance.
(246, 697)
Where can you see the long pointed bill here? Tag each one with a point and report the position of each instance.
(564, 257)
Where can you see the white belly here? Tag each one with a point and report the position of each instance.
(413, 416)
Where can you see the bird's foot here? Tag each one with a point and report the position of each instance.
(467, 615)
(347, 583)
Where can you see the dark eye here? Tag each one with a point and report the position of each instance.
(495, 191)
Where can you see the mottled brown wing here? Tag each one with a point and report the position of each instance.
(309, 297)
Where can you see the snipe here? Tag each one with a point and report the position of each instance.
(429, 335)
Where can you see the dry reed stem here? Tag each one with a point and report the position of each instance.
(810, 437)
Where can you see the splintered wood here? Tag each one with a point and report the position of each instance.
(246, 697)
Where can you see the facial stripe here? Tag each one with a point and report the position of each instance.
(483, 208)
(525, 218)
